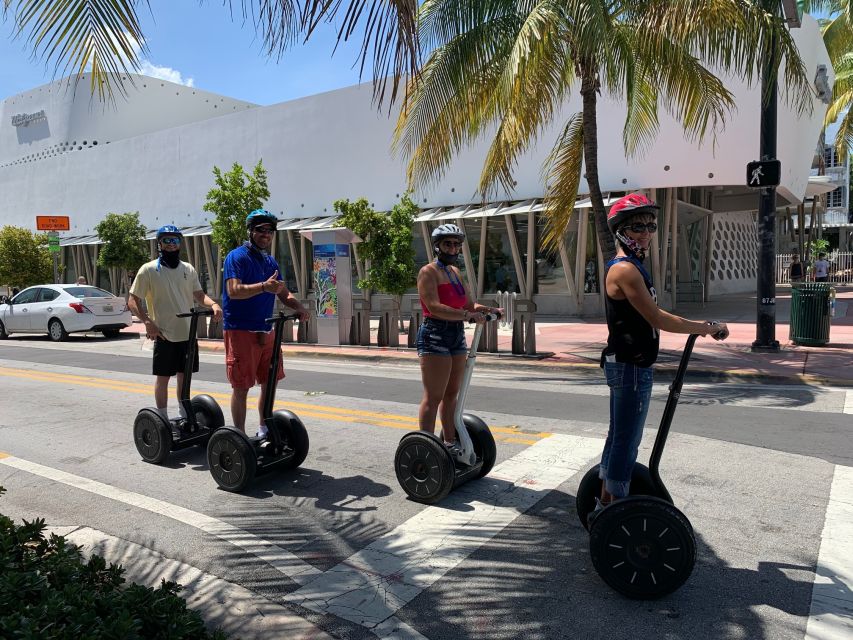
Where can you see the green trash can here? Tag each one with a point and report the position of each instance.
(811, 309)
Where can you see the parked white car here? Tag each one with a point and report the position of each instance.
(60, 309)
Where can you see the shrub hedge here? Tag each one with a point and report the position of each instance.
(48, 592)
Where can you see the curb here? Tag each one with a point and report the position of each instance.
(663, 372)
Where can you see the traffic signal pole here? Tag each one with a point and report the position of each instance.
(765, 330)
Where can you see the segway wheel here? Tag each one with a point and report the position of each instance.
(231, 459)
(294, 436)
(208, 415)
(153, 436)
(642, 547)
(484, 442)
(590, 489)
(424, 467)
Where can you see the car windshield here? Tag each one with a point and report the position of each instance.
(88, 292)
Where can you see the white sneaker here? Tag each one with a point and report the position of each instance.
(262, 433)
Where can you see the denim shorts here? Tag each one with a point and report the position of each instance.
(441, 338)
(630, 393)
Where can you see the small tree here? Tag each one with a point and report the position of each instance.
(124, 246)
(24, 258)
(236, 194)
(387, 244)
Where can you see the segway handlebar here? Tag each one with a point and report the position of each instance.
(490, 317)
(195, 312)
(282, 316)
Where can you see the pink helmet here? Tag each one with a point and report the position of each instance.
(627, 207)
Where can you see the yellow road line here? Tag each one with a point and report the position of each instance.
(510, 433)
(5, 455)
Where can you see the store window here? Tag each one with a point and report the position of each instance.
(500, 272)
(550, 272)
(285, 262)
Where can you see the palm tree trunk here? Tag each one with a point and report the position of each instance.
(589, 94)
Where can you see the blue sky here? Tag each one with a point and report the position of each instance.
(202, 45)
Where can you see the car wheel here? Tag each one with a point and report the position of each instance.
(56, 331)
(111, 333)
(3, 333)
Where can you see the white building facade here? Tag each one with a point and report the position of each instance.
(64, 153)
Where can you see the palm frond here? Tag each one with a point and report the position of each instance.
(389, 39)
(452, 100)
(562, 173)
(534, 81)
(100, 37)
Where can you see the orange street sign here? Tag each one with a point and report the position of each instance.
(53, 223)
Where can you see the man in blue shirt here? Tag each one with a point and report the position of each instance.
(252, 283)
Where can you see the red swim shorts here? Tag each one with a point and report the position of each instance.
(247, 358)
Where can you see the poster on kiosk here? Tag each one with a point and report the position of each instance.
(332, 282)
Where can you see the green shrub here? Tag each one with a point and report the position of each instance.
(48, 592)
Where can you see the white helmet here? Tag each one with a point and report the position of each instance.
(445, 231)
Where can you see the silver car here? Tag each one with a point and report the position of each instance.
(60, 309)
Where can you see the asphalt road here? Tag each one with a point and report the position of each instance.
(759, 470)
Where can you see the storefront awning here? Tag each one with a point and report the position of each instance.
(428, 214)
(487, 211)
(289, 224)
(319, 223)
(201, 230)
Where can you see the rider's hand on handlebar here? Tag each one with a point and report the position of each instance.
(717, 330)
(217, 312)
(303, 315)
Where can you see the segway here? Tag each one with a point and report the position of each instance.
(642, 545)
(235, 458)
(156, 437)
(425, 468)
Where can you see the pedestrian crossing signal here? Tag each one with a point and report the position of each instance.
(763, 173)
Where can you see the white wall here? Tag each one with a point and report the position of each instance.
(336, 145)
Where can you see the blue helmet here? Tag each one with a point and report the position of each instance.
(168, 230)
(260, 216)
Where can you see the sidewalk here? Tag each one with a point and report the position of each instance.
(574, 345)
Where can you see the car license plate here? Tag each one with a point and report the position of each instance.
(108, 308)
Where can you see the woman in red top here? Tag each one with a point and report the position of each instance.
(441, 337)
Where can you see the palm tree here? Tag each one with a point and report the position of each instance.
(509, 65)
(105, 38)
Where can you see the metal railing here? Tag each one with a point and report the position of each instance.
(840, 267)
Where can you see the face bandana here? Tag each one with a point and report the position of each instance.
(170, 258)
(632, 245)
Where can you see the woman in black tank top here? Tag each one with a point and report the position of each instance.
(633, 323)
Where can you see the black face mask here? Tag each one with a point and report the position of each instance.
(170, 258)
(447, 259)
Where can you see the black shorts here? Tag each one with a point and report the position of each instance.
(170, 357)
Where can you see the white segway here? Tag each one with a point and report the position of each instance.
(425, 468)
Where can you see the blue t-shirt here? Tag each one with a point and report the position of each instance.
(250, 266)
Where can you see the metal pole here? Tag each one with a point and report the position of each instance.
(765, 335)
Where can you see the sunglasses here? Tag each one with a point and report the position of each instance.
(639, 227)
(264, 230)
(451, 243)
(170, 240)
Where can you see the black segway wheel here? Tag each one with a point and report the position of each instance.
(484, 442)
(590, 489)
(642, 547)
(208, 415)
(153, 436)
(424, 467)
(231, 459)
(294, 437)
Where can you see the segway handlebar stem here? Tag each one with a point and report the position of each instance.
(668, 413)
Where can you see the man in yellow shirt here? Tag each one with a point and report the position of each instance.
(169, 286)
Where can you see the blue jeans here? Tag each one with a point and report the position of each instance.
(630, 393)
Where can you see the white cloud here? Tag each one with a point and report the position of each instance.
(146, 68)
